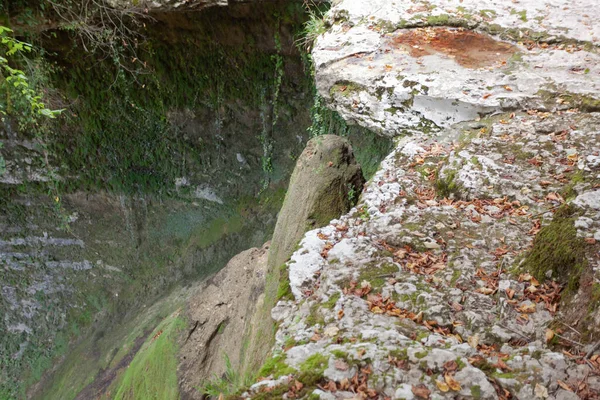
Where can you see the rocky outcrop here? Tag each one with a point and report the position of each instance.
(425, 65)
(325, 183)
(469, 267)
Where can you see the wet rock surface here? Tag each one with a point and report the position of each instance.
(437, 285)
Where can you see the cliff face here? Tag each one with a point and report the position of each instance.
(468, 269)
(146, 181)
(177, 139)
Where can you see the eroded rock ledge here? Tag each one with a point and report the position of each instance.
(469, 268)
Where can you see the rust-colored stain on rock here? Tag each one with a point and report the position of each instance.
(468, 48)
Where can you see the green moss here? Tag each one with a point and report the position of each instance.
(455, 275)
(276, 367)
(522, 14)
(153, 371)
(446, 185)
(568, 192)
(422, 335)
(558, 251)
(421, 354)
(595, 296)
(582, 102)
(399, 354)
(476, 391)
(317, 363)
(273, 394)
(488, 13)
(345, 88)
(438, 20)
(315, 317)
(504, 375)
(284, 291)
(330, 303)
(377, 275)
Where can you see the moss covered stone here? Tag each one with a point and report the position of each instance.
(557, 252)
(318, 192)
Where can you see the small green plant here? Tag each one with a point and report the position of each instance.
(227, 384)
(313, 27)
(352, 195)
(17, 96)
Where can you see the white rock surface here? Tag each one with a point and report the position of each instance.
(404, 80)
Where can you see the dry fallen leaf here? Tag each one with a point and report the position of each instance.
(541, 392)
(331, 331)
(473, 341)
(421, 391)
(527, 308)
(452, 383)
(485, 290)
(442, 386)
(341, 365)
(564, 385)
(510, 293)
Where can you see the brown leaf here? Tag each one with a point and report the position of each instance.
(421, 391)
(549, 335)
(450, 366)
(555, 197)
(485, 290)
(564, 385)
(473, 341)
(526, 308)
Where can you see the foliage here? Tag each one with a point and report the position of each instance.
(314, 26)
(229, 384)
(17, 97)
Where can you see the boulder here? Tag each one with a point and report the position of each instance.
(323, 186)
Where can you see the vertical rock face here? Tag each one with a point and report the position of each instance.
(324, 185)
(469, 269)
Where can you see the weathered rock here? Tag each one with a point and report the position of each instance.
(221, 314)
(325, 174)
(405, 66)
(417, 283)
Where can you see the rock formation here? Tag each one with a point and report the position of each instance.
(469, 267)
(319, 188)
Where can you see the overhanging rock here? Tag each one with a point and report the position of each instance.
(397, 67)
